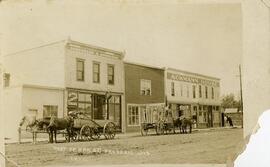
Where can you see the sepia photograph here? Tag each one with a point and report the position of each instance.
(100, 83)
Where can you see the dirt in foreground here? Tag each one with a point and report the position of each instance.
(208, 146)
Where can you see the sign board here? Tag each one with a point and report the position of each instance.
(185, 78)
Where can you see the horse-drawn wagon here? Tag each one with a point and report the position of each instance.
(159, 119)
(162, 121)
(85, 128)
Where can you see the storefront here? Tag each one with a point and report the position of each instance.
(193, 96)
(144, 113)
(95, 105)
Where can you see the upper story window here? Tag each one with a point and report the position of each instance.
(200, 91)
(213, 96)
(206, 92)
(110, 74)
(96, 72)
(181, 90)
(146, 87)
(80, 69)
(172, 89)
(187, 91)
(6, 79)
(194, 91)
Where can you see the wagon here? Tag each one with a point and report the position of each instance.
(85, 128)
(157, 120)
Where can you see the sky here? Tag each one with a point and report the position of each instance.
(204, 38)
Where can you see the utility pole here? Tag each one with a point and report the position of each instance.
(241, 95)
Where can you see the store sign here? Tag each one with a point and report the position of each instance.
(72, 97)
(185, 78)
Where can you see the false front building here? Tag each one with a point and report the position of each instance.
(193, 95)
(144, 94)
(56, 78)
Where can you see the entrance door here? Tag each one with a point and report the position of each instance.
(99, 110)
(210, 116)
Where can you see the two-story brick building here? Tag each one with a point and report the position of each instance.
(144, 94)
(193, 95)
(59, 77)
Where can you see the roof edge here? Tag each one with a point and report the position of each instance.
(144, 65)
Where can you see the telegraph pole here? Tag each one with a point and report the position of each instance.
(241, 94)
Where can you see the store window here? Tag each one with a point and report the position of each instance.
(110, 74)
(50, 110)
(80, 101)
(172, 89)
(115, 110)
(146, 87)
(133, 115)
(194, 91)
(204, 117)
(80, 69)
(84, 103)
(96, 72)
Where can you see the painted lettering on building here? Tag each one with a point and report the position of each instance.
(185, 78)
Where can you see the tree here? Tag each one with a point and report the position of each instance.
(228, 101)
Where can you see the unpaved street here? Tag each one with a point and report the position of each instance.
(206, 146)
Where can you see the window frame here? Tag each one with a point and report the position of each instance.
(200, 91)
(113, 73)
(194, 91)
(82, 71)
(213, 95)
(130, 115)
(96, 63)
(206, 92)
(172, 89)
(143, 87)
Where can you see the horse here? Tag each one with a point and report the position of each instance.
(177, 123)
(55, 124)
(187, 122)
(183, 123)
(33, 125)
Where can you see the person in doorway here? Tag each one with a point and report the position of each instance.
(229, 119)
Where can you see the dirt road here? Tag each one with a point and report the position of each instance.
(207, 146)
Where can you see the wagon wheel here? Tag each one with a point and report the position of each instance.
(144, 129)
(85, 132)
(95, 134)
(160, 128)
(109, 130)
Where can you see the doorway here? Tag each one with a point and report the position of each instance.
(210, 116)
(99, 107)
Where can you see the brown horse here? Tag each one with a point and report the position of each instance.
(59, 124)
(183, 123)
(186, 122)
